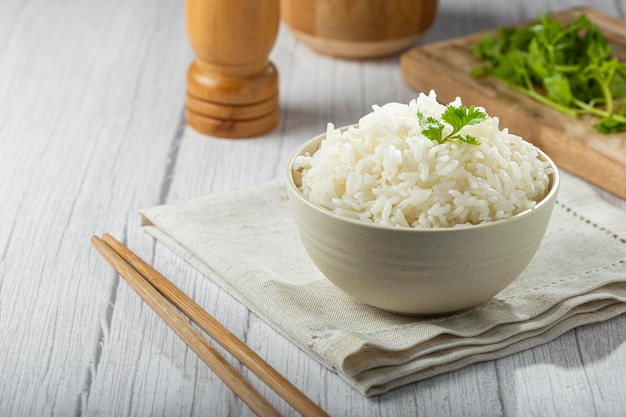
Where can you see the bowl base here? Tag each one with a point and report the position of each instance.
(427, 315)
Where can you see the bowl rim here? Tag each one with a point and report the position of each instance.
(551, 195)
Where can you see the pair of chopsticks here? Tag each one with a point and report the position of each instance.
(164, 298)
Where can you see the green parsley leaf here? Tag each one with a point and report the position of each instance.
(558, 89)
(610, 125)
(568, 67)
(470, 140)
(431, 127)
(618, 84)
(457, 117)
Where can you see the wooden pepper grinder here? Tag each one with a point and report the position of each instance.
(232, 87)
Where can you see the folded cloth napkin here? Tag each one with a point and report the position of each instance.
(246, 241)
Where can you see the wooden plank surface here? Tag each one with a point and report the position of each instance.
(91, 131)
(572, 143)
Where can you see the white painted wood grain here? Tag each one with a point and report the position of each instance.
(91, 130)
(78, 151)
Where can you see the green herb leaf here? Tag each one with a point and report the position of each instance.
(471, 140)
(487, 48)
(431, 127)
(558, 89)
(618, 84)
(568, 67)
(538, 63)
(610, 125)
(457, 117)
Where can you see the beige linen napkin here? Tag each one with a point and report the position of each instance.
(247, 243)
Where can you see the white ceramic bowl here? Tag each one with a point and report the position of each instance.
(414, 271)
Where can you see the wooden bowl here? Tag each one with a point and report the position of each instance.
(358, 28)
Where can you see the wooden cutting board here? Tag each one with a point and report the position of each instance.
(572, 143)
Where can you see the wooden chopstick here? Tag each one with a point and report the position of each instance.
(192, 338)
(143, 272)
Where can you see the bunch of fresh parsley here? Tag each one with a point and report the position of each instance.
(568, 67)
(457, 117)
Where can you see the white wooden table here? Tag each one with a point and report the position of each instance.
(92, 130)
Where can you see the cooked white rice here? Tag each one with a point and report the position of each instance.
(385, 171)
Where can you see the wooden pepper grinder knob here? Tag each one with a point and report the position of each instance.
(232, 87)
